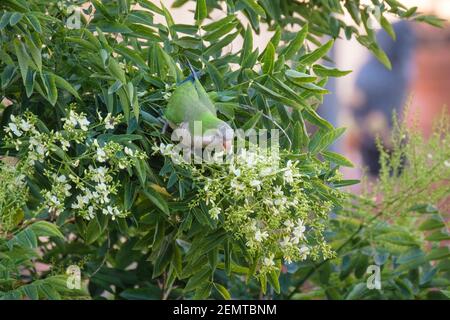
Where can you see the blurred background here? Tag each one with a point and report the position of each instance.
(364, 100)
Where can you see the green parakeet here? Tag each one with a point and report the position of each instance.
(189, 105)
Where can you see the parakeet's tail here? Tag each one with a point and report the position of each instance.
(193, 73)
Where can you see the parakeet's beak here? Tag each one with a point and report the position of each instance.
(227, 134)
(227, 145)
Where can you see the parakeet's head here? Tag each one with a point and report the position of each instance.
(222, 135)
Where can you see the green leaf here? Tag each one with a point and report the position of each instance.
(116, 71)
(93, 231)
(296, 44)
(157, 200)
(22, 58)
(247, 47)
(438, 236)
(101, 8)
(7, 75)
(15, 18)
(216, 47)
(274, 282)
(337, 158)
(323, 71)
(151, 6)
(301, 137)
(310, 58)
(251, 123)
(345, 183)
(438, 253)
(218, 24)
(116, 86)
(312, 116)
(45, 228)
(49, 81)
(201, 11)
(63, 84)
(255, 7)
(410, 256)
(216, 76)
(357, 292)
(434, 222)
(222, 291)
(423, 208)
(388, 27)
(34, 22)
(299, 77)
(381, 56)
(4, 21)
(147, 293)
(198, 279)
(163, 259)
(321, 140)
(277, 97)
(216, 34)
(29, 82)
(31, 291)
(132, 55)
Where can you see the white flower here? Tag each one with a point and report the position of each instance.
(101, 155)
(289, 224)
(268, 262)
(288, 176)
(14, 129)
(430, 156)
(266, 172)
(214, 212)
(65, 145)
(286, 242)
(81, 202)
(84, 123)
(277, 191)
(91, 212)
(304, 252)
(298, 232)
(25, 125)
(113, 211)
(72, 120)
(41, 149)
(260, 236)
(256, 183)
(447, 163)
(109, 124)
(237, 186)
(54, 200)
(61, 179)
(128, 151)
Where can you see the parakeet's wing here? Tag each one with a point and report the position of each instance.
(203, 96)
(181, 103)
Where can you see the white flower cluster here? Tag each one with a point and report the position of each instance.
(179, 155)
(268, 203)
(13, 195)
(90, 190)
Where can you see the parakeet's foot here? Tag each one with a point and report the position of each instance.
(165, 126)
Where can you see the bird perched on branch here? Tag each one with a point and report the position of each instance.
(189, 106)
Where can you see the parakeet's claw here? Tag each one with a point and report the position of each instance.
(165, 125)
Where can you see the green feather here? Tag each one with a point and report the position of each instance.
(189, 103)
